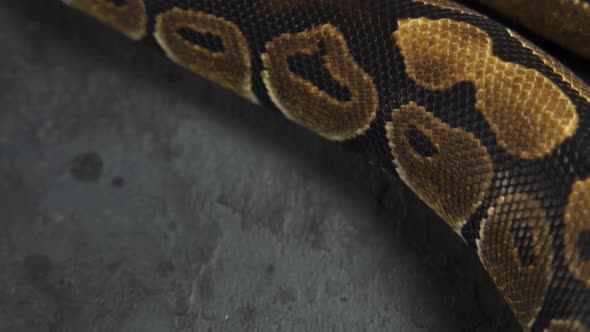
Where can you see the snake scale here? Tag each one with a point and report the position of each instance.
(488, 130)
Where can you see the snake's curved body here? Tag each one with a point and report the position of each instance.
(488, 130)
(565, 22)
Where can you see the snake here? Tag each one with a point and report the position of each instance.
(486, 128)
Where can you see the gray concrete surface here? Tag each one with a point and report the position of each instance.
(135, 196)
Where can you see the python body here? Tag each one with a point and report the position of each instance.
(489, 131)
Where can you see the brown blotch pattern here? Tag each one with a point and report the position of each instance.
(558, 325)
(563, 21)
(566, 75)
(454, 179)
(130, 18)
(518, 224)
(577, 221)
(230, 68)
(527, 112)
(303, 102)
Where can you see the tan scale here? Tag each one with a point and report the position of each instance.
(454, 180)
(563, 21)
(523, 285)
(303, 102)
(558, 325)
(529, 118)
(449, 5)
(230, 68)
(130, 18)
(566, 75)
(577, 221)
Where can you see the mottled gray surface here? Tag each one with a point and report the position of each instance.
(135, 196)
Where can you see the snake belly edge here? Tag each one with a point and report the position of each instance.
(488, 130)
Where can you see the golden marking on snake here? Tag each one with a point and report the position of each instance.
(229, 67)
(303, 102)
(449, 5)
(453, 179)
(577, 225)
(527, 112)
(515, 247)
(565, 326)
(130, 18)
(566, 75)
(563, 21)
(558, 325)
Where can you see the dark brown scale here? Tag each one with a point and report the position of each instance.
(207, 40)
(312, 69)
(584, 245)
(420, 142)
(524, 237)
(118, 2)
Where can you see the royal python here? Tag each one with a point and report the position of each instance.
(488, 130)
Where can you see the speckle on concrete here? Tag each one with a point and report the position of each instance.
(86, 166)
(136, 196)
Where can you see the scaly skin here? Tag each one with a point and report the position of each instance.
(487, 129)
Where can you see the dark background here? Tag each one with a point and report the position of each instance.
(135, 196)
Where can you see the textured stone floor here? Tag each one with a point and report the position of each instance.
(135, 196)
